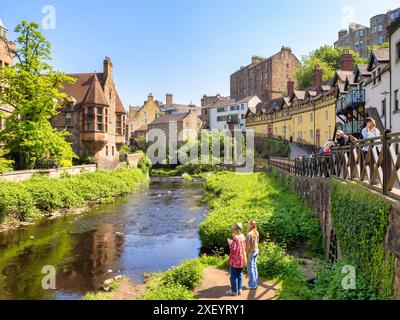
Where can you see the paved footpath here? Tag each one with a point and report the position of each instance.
(216, 284)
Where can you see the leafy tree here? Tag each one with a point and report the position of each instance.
(328, 59)
(5, 165)
(32, 89)
(384, 45)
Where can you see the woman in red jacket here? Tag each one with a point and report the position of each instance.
(237, 258)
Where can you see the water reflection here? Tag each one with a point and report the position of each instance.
(148, 231)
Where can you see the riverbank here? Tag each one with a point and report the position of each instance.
(24, 203)
(282, 217)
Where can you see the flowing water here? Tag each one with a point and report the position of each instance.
(148, 231)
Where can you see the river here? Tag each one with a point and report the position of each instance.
(148, 231)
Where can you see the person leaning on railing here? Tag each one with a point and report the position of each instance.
(341, 139)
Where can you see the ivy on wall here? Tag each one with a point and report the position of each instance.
(360, 219)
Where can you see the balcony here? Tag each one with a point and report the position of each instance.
(354, 127)
(351, 100)
(233, 119)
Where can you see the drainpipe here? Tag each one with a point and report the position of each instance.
(390, 82)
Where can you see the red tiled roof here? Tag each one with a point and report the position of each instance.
(88, 89)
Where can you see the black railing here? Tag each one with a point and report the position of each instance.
(374, 162)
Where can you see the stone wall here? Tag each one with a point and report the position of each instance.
(17, 176)
(316, 192)
(133, 159)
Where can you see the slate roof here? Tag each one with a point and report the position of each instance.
(166, 118)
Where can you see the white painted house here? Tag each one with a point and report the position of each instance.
(229, 114)
(377, 88)
(394, 40)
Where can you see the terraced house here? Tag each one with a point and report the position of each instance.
(7, 51)
(95, 117)
(306, 116)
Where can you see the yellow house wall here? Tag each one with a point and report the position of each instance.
(303, 125)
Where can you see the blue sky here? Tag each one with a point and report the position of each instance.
(185, 47)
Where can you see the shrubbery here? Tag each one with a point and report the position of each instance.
(276, 148)
(189, 274)
(329, 286)
(361, 226)
(281, 214)
(39, 196)
(176, 283)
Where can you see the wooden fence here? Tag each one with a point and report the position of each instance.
(375, 162)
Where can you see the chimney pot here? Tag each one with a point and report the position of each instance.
(169, 99)
(346, 61)
(290, 87)
(317, 76)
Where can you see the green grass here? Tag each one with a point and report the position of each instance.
(281, 215)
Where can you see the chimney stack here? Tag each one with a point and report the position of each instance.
(150, 97)
(169, 98)
(346, 62)
(290, 88)
(107, 68)
(317, 76)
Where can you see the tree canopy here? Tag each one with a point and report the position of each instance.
(328, 59)
(32, 88)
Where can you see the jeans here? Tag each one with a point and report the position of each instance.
(236, 279)
(252, 269)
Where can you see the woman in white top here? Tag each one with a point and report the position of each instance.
(371, 131)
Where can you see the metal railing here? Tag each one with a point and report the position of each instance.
(374, 162)
(351, 99)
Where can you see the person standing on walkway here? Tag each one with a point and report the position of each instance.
(252, 241)
(237, 258)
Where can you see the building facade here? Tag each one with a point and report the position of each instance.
(394, 112)
(229, 114)
(265, 78)
(360, 38)
(179, 126)
(377, 88)
(305, 116)
(7, 51)
(141, 117)
(95, 117)
(356, 38)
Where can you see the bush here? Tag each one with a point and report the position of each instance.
(168, 292)
(15, 202)
(189, 274)
(144, 163)
(361, 226)
(42, 195)
(276, 148)
(328, 284)
(281, 214)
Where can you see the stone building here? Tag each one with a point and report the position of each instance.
(360, 38)
(307, 116)
(265, 78)
(140, 117)
(95, 117)
(180, 126)
(355, 38)
(7, 51)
